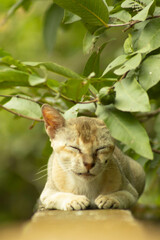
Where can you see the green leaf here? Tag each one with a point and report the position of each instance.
(134, 4)
(56, 68)
(149, 74)
(8, 74)
(53, 84)
(16, 83)
(92, 64)
(131, 64)
(9, 60)
(121, 16)
(70, 17)
(128, 45)
(75, 89)
(36, 80)
(82, 109)
(89, 42)
(142, 15)
(125, 128)
(150, 36)
(25, 107)
(92, 12)
(52, 20)
(130, 96)
(99, 83)
(115, 63)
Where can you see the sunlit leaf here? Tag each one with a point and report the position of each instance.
(128, 45)
(25, 107)
(9, 74)
(36, 80)
(70, 17)
(125, 128)
(134, 4)
(130, 96)
(82, 109)
(149, 74)
(56, 68)
(131, 64)
(142, 15)
(120, 16)
(115, 63)
(92, 12)
(150, 36)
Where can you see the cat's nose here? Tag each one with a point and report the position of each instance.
(89, 165)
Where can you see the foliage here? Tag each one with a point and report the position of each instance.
(124, 94)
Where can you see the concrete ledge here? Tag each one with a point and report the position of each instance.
(87, 224)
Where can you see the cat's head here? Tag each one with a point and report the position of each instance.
(82, 146)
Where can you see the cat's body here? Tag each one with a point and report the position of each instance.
(86, 168)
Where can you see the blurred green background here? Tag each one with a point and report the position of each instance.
(24, 151)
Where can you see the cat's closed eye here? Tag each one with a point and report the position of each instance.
(75, 149)
(105, 149)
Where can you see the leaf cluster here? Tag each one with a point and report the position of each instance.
(122, 94)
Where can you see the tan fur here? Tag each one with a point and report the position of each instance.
(86, 169)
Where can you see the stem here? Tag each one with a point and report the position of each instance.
(21, 97)
(75, 102)
(123, 76)
(93, 94)
(91, 101)
(21, 115)
(146, 116)
(156, 151)
(131, 23)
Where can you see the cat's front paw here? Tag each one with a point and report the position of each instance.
(76, 203)
(107, 201)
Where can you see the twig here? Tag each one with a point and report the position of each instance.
(21, 115)
(123, 76)
(93, 94)
(91, 101)
(156, 151)
(76, 102)
(131, 23)
(146, 116)
(21, 97)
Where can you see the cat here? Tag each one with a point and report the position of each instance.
(86, 169)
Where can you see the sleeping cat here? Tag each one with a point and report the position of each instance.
(86, 169)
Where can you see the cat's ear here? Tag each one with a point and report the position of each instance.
(53, 120)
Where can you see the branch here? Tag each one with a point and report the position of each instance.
(21, 115)
(21, 97)
(91, 101)
(146, 116)
(131, 23)
(76, 102)
(156, 151)
(123, 76)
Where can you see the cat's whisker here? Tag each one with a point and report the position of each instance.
(39, 178)
(42, 171)
(44, 166)
(46, 169)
